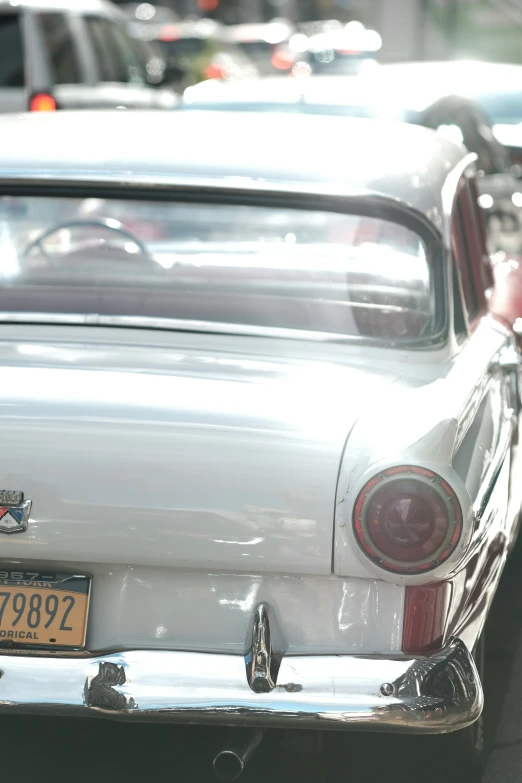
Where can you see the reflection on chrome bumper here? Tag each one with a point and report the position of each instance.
(439, 693)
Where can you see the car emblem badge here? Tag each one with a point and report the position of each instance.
(14, 512)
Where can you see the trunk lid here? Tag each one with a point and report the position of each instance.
(176, 456)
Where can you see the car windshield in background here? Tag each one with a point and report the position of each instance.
(502, 107)
(254, 266)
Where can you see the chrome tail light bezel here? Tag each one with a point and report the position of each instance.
(427, 480)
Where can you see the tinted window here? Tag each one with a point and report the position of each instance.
(115, 54)
(61, 49)
(11, 51)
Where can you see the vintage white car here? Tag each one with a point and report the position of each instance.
(257, 425)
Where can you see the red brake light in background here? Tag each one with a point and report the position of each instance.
(208, 5)
(214, 72)
(168, 32)
(282, 60)
(42, 101)
(407, 520)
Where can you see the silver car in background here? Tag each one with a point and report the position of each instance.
(60, 55)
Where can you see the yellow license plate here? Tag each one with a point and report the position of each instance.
(43, 609)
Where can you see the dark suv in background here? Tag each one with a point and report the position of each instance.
(74, 55)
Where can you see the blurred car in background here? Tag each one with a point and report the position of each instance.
(383, 94)
(266, 44)
(55, 55)
(197, 50)
(342, 51)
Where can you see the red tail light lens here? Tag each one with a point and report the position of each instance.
(42, 101)
(407, 520)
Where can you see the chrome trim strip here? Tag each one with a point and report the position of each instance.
(423, 695)
(508, 362)
(449, 190)
(488, 483)
(126, 178)
(174, 324)
(324, 196)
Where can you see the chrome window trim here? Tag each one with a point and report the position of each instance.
(174, 324)
(450, 190)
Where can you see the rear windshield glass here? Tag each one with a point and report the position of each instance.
(259, 266)
(11, 51)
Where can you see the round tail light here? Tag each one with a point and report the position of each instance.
(407, 520)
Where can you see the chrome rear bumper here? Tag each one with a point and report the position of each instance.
(436, 694)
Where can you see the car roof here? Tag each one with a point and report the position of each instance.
(326, 154)
(78, 6)
(380, 87)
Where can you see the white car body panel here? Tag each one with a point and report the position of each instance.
(198, 459)
(177, 442)
(188, 609)
(429, 425)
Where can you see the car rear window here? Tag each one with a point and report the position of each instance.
(11, 51)
(232, 264)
